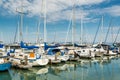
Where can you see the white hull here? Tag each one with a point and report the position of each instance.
(64, 58)
(33, 62)
(42, 62)
(85, 53)
(61, 58)
(111, 53)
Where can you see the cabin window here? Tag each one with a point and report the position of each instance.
(55, 50)
(83, 50)
(1, 54)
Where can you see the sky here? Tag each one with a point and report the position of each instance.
(59, 17)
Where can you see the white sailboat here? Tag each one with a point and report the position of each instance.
(33, 57)
(84, 51)
(57, 55)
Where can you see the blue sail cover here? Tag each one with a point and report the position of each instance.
(47, 46)
(22, 45)
(53, 51)
(1, 45)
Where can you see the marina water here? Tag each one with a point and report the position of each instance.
(107, 68)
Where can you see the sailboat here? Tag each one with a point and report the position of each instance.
(57, 55)
(4, 61)
(109, 52)
(34, 57)
(28, 54)
(84, 51)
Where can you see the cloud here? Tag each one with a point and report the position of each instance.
(0, 2)
(114, 10)
(90, 2)
(56, 9)
(67, 15)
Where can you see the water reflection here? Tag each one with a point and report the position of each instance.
(106, 68)
(5, 76)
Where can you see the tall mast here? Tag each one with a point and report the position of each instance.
(1, 35)
(102, 22)
(81, 38)
(21, 24)
(15, 35)
(21, 21)
(112, 34)
(108, 30)
(18, 32)
(27, 34)
(38, 31)
(45, 32)
(73, 25)
(55, 35)
(69, 26)
(117, 35)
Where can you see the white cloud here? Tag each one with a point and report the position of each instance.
(88, 2)
(0, 2)
(56, 9)
(114, 10)
(65, 15)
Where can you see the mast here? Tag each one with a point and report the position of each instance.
(108, 30)
(21, 24)
(102, 20)
(18, 32)
(81, 37)
(38, 31)
(117, 35)
(112, 34)
(1, 35)
(55, 34)
(45, 32)
(69, 26)
(98, 28)
(73, 25)
(15, 35)
(27, 33)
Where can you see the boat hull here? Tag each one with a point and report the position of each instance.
(5, 66)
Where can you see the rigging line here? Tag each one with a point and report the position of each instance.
(96, 32)
(38, 31)
(55, 35)
(42, 9)
(108, 30)
(73, 25)
(21, 22)
(117, 35)
(45, 22)
(39, 23)
(15, 35)
(69, 26)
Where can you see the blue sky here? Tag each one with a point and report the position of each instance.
(58, 19)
